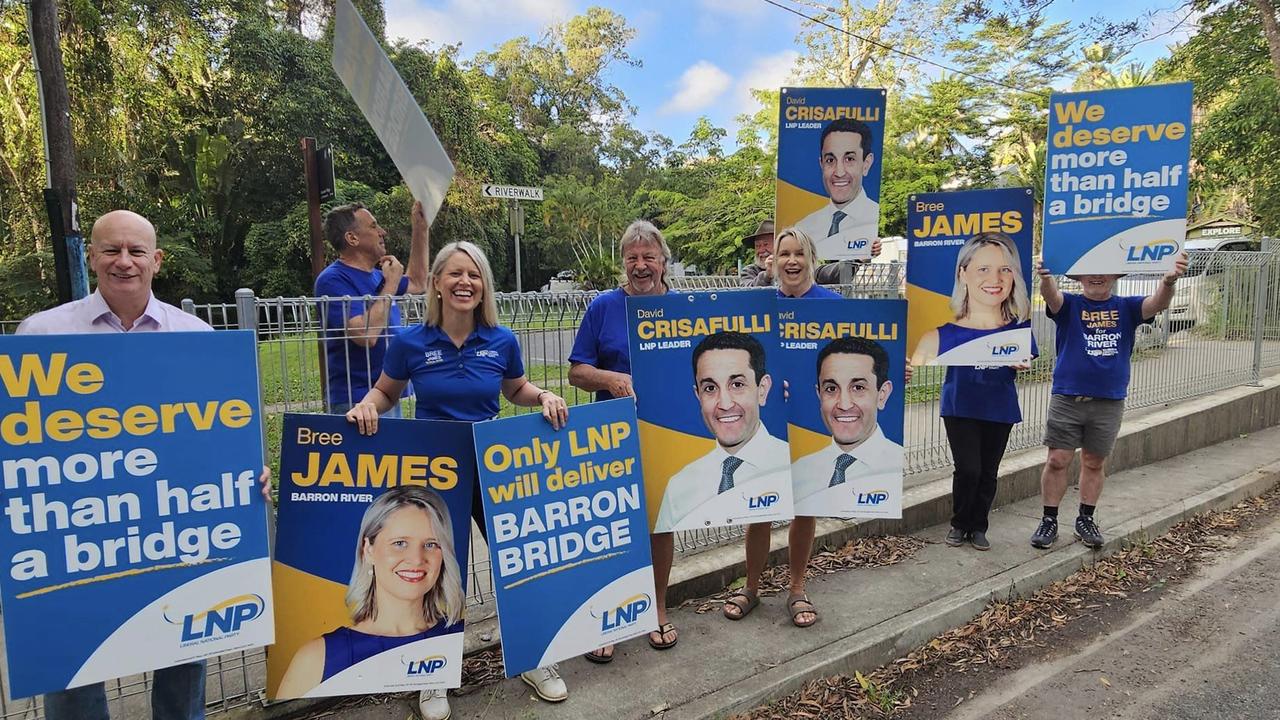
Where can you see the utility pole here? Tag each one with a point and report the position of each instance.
(60, 151)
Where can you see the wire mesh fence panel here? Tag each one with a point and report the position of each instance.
(1222, 329)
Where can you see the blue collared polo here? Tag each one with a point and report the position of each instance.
(453, 383)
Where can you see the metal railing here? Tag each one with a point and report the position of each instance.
(1222, 330)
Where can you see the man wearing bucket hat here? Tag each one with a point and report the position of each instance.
(761, 243)
(760, 272)
(1094, 338)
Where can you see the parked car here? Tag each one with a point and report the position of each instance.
(1197, 294)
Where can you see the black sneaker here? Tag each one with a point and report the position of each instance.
(956, 537)
(1088, 532)
(1046, 534)
(979, 540)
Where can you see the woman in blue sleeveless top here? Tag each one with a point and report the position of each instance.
(406, 586)
(989, 296)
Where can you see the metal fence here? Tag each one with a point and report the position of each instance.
(1222, 330)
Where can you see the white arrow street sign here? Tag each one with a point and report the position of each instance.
(511, 192)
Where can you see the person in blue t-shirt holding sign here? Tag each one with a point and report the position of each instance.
(1095, 333)
(355, 332)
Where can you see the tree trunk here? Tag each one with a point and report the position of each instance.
(57, 104)
(1271, 29)
(47, 50)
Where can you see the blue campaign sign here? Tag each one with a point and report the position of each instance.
(134, 529)
(568, 532)
(846, 367)
(706, 369)
(1115, 198)
(829, 160)
(969, 279)
(372, 540)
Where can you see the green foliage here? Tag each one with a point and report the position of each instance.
(190, 111)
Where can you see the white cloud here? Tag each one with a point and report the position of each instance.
(699, 86)
(476, 24)
(768, 72)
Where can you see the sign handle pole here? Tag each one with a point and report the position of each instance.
(515, 232)
(317, 243)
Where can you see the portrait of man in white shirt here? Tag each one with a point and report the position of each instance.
(853, 387)
(746, 476)
(845, 157)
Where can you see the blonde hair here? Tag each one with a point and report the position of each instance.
(487, 310)
(641, 232)
(806, 244)
(445, 600)
(1016, 307)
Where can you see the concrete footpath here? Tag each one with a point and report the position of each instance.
(871, 616)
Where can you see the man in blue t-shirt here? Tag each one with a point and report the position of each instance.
(356, 332)
(1095, 333)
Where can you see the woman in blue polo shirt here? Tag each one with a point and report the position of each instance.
(600, 362)
(459, 360)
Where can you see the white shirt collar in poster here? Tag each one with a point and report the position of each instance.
(872, 486)
(861, 222)
(692, 500)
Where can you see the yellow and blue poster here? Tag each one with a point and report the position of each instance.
(135, 532)
(371, 556)
(969, 279)
(1115, 191)
(829, 143)
(846, 365)
(568, 532)
(707, 373)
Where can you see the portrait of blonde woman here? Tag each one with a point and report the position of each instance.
(406, 586)
(989, 296)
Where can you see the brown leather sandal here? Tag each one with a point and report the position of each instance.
(748, 602)
(798, 605)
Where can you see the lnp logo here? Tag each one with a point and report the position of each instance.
(626, 613)
(1152, 251)
(424, 666)
(434, 357)
(222, 620)
(875, 497)
(487, 353)
(1005, 350)
(761, 502)
(855, 244)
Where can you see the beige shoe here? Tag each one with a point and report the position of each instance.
(434, 704)
(546, 682)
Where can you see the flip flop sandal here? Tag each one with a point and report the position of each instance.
(744, 608)
(598, 657)
(663, 630)
(805, 606)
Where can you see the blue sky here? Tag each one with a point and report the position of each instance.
(700, 57)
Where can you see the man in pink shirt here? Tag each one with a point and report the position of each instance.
(124, 257)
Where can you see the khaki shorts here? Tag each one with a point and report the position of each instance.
(1083, 422)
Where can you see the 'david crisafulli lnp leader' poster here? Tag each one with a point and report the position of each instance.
(1115, 191)
(134, 531)
(568, 532)
(829, 142)
(707, 372)
(969, 278)
(846, 368)
(370, 569)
